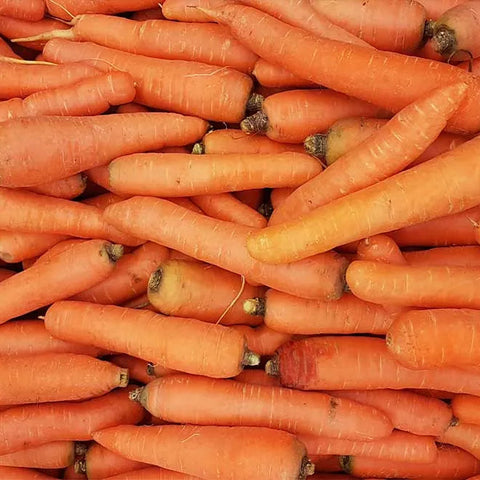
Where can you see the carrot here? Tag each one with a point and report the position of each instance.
(222, 450)
(262, 339)
(380, 248)
(451, 463)
(31, 10)
(71, 474)
(5, 50)
(132, 107)
(178, 175)
(148, 14)
(257, 377)
(183, 10)
(288, 314)
(225, 92)
(328, 463)
(476, 477)
(348, 133)
(397, 27)
(435, 8)
(253, 198)
(468, 256)
(31, 425)
(385, 153)
(30, 337)
(68, 273)
(320, 277)
(331, 363)
(409, 285)
(67, 188)
(270, 75)
(291, 116)
(50, 455)
(398, 447)
(15, 473)
(178, 343)
(465, 408)
(278, 195)
(157, 370)
(137, 368)
(60, 247)
(236, 403)
(130, 278)
(198, 290)
(152, 473)
(347, 68)
(464, 436)
(5, 273)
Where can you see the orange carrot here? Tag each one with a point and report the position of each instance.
(397, 27)
(380, 248)
(5, 50)
(435, 8)
(278, 195)
(257, 377)
(464, 436)
(319, 277)
(51, 422)
(468, 256)
(466, 408)
(237, 403)
(68, 273)
(222, 450)
(15, 473)
(407, 410)
(179, 175)
(132, 107)
(390, 150)
(291, 116)
(270, 75)
(198, 290)
(31, 10)
(331, 363)
(225, 92)
(262, 339)
(67, 188)
(350, 69)
(148, 14)
(288, 314)
(178, 343)
(130, 277)
(60, 247)
(183, 10)
(50, 455)
(152, 473)
(137, 368)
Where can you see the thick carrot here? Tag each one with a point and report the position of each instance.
(31, 10)
(319, 277)
(262, 339)
(179, 175)
(288, 314)
(30, 425)
(408, 411)
(212, 452)
(16, 473)
(468, 256)
(50, 455)
(170, 85)
(198, 290)
(451, 463)
(270, 75)
(466, 408)
(68, 273)
(397, 447)
(397, 27)
(178, 343)
(291, 116)
(130, 277)
(67, 188)
(435, 8)
(393, 147)
(30, 337)
(137, 368)
(350, 69)
(463, 435)
(257, 377)
(236, 403)
(152, 473)
(332, 363)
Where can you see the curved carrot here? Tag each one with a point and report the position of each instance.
(262, 339)
(16, 473)
(435, 8)
(468, 256)
(170, 85)
(67, 188)
(270, 75)
(236, 403)
(257, 377)
(198, 290)
(178, 343)
(466, 408)
(50, 455)
(212, 452)
(31, 10)
(464, 436)
(152, 473)
(319, 277)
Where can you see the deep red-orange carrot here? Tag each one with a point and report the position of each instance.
(288, 314)
(6, 273)
(237, 403)
(68, 273)
(270, 75)
(468, 256)
(67, 188)
(452, 463)
(262, 339)
(463, 435)
(50, 422)
(225, 91)
(397, 447)
(50, 455)
(253, 197)
(392, 148)
(291, 116)
(197, 290)
(318, 277)
(176, 447)
(257, 377)
(476, 477)
(178, 343)
(347, 68)
(466, 408)
(380, 248)
(31, 10)
(435, 8)
(137, 368)
(148, 14)
(5, 50)
(17, 473)
(130, 277)
(332, 363)
(408, 411)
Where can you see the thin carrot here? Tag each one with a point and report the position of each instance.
(50, 455)
(31, 10)
(288, 314)
(170, 85)
(152, 473)
(148, 14)
(347, 68)
(319, 277)
(393, 147)
(67, 188)
(178, 343)
(16, 473)
(408, 411)
(466, 408)
(50, 422)
(435, 8)
(257, 377)
(68, 273)
(198, 290)
(468, 256)
(262, 339)
(212, 452)
(137, 368)
(464, 436)
(270, 75)
(332, 363)
(236, 403)
(291, 116)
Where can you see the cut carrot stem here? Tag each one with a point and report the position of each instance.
(50, 455)
(464, 436)
(67, 188)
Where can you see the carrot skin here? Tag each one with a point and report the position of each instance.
(17, 473)
(152, 473)
(464, 436)
(31, 10)
(435, 8)
(461, 256)
(137, 368)
(50, 455)
(262, 339)
(465, 408)
(66, 188)
(270, 75)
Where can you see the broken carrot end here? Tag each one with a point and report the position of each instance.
(114, 252)
(316, 145)
(307, 468)
(256, 123)
(251, 359)
(254, 306)
(255, 103)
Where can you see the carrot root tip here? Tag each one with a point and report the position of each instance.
(114, 252)
(265, 209)
(316, 145)
(255, 103)
(346, 463)
(254, 306)
(124, 378)
(307, 468)
(198, 149)
(256, 123)
(272, 367)
(80, 449)
(46, 36)
(444, 40)
(80, 466)
(251, 359)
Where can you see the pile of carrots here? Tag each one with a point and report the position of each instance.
(239, 239)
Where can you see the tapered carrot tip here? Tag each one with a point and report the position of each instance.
(155, 280)
(80, 449)
(46, 36)
(124, 378)
(272, 367)
(316, 145)
(256, 123)
(198, 149)
(251, 359)
(254, 306)
(255, 102)
(266, 209)
(114, 251)
(24, 62)
(139, 395)
(346, 463)
(307, 468)
(80, 466)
